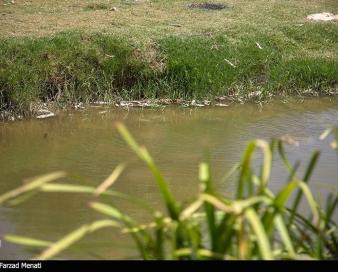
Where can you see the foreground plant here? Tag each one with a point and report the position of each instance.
(255, 224)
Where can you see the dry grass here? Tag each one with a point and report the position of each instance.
(146, 19)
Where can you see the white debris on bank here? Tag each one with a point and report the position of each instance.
(221, 105)
(195, 104)
(324, 16)
(102, 103)
(144, 103)
(259, 46)
(42, 114)
(79, 106)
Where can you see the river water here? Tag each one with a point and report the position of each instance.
(87, 146)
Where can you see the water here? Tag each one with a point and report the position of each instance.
(87, 146)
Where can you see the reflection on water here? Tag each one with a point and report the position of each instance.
(86, 145)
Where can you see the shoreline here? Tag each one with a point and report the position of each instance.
(52, 109)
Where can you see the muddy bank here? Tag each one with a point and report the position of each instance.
(52, 109)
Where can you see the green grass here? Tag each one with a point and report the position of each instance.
(254, 224)
(93, 53)
(75, 67)
(96, 6)
(69, 68)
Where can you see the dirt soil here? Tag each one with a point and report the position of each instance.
(208, 6)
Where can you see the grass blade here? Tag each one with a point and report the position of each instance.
(116, 214)
(266, 167)
(206, 186)
(284, 195)
(35, 184)
(283, 156)
(187, 212)
(73, 237)
(230, 173)
(145, 156)
(331, 206)
(306, 178)
(326, 133)
(110, 180)
(70, 188)
(109, 210)
(218, 203)
(262, 239)
(26, 241)
(311, 201)
(284, 234)
(245, 169)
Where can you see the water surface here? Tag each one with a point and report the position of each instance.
(87, 146)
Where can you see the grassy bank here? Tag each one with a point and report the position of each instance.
(248, 50)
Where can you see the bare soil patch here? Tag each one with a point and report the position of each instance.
(324, 16)
(208, 6)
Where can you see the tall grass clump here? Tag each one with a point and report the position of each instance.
(255, 223)
(200, 66)
(271, 64)
(68, 68)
